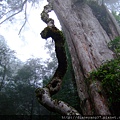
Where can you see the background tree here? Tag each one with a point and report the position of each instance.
(18, 94)
(7, 60)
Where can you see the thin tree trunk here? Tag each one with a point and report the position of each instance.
(3, 77)
(87, 40)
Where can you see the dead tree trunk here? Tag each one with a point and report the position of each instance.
(87, 37)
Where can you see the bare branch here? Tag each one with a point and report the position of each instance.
(6, 13)
(25, 20)
(15, 13)
(15, 8)
(11, 16)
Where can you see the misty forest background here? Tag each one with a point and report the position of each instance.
(18, 80)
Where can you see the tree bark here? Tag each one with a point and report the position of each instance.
(87, 39)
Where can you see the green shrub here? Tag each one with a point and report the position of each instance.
(109, 75)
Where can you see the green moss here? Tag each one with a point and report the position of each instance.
(109, 75)
(54, 33)
(67, 93)
(59, 40)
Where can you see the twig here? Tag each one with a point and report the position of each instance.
(15, 13)
(24, 21)
(11, 16)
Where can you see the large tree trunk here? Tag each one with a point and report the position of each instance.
(87, 39)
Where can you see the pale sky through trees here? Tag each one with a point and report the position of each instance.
(29, 43)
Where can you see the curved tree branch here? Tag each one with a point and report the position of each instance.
(44, 94)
